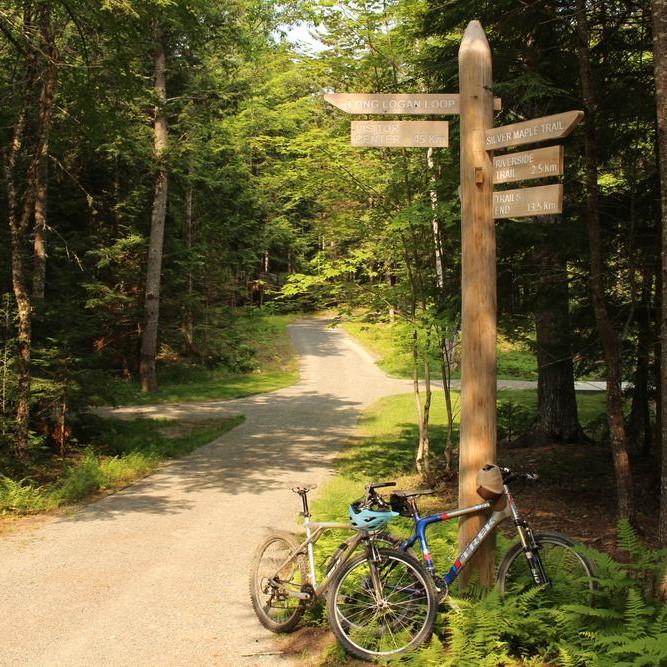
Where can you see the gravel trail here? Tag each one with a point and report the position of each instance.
(156, 574)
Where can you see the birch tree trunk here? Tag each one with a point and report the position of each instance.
(147, 370)
(611, 344)
(659, 15)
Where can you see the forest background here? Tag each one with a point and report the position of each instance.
(170, 167)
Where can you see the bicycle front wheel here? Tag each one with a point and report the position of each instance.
(571, 574)
(384, 609)
(276, 573)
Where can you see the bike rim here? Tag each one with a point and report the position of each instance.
(568, 572)
(273, 585)
(391, 624)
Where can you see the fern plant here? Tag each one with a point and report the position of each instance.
(623, 626)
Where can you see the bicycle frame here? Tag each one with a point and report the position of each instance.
(497, 517)
(315, 530)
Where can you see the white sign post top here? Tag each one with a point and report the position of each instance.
(407, 104)
(400, 133)
(530, 131)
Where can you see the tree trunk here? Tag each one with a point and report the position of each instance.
(19, 220)
(557, 418)
(435, 223)
(188, 320)
(659, 14)
(611, 344)
(147, 369)
(39, 245)
(639, 422)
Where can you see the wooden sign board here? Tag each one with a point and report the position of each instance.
(400, 133)
(408, 104)
(530, 131)
(527, 202)
(538, 163)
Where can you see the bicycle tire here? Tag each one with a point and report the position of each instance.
(274, 608)
(399, 623)
(571, 573)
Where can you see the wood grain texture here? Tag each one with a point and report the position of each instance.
(528, 202)
(400, 133)
(478, 287)
(537, 163)
(406, 104)
(556, 126)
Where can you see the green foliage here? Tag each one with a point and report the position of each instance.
(245, 352)
(625, 626)
(119, 453)
(513, 419)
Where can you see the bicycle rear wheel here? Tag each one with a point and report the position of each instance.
(388, 622)
(571, 574)
(272, 579)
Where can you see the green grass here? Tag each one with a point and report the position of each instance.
(261, 339)
(385, 449)
(119, 453)
(390, 344)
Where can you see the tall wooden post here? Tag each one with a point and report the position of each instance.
(478, 288)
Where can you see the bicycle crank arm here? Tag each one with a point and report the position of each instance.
(299, 595)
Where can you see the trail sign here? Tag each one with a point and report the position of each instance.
(538, 163)
(530, 131)
(408, 104)
(526, 202)
(400, 133)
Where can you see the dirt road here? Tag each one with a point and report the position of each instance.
(156, 574)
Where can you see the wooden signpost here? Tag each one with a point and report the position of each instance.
(526, 202)
(538, 163)
(480, 207)
(400, 133)
(406, 104)
(530, 131)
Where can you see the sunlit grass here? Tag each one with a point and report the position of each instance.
(274, 360)
(390, 344)
(121, 452)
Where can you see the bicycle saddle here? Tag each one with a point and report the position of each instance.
(303, 488)
(413, 492)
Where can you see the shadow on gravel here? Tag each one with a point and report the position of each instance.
(283, 439)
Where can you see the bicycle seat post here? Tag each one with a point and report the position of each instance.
(304, 499)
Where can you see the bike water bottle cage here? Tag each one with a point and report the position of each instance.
(367, 519)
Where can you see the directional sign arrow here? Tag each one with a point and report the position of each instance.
(408, 104)
(530, 131)
(400, 133)
(537, 163)
(527, 202)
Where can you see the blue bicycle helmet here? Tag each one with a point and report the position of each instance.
(368, 519)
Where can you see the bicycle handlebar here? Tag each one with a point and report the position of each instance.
(510, 476)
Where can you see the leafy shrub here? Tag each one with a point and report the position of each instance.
(22, 496)
(513, 419)
(624, 625)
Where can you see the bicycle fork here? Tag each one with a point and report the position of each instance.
(530, 547)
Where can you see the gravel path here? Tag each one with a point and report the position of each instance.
(156, 574)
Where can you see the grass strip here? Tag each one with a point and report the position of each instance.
(119, 452)
(391, 344)
(262, 348)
